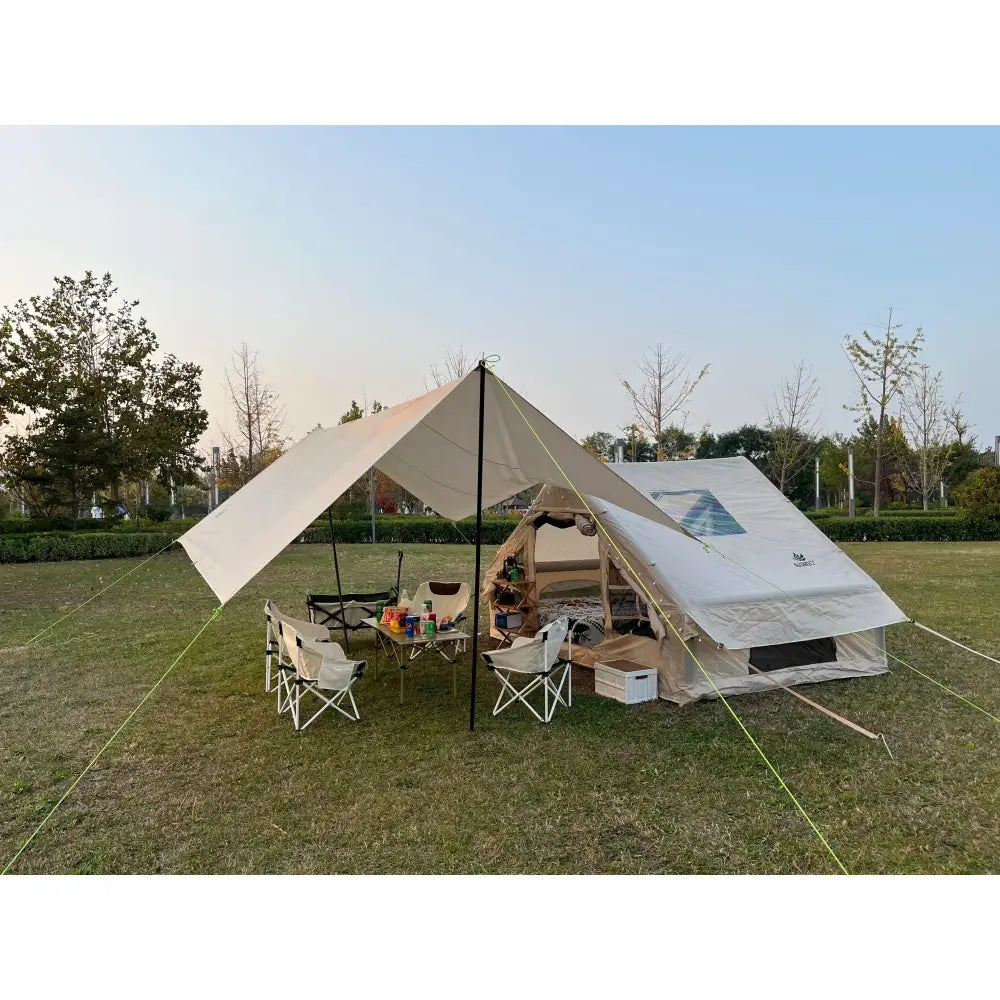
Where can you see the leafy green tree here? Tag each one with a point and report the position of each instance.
(675, 443)
(979, 495)
(750, 441)
(882, 366)
(100, 410)
(638, 447)
(601, 445)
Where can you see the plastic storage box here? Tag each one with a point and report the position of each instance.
(509, 619)
(625, 681)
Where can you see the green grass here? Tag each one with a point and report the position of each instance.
(207, 778)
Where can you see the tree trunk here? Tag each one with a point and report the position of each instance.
(878, 466)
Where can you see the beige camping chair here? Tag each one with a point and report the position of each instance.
(448, 600)
(279, 669)
(538, 659)
(320, 669)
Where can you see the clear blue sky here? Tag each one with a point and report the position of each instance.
(351, 258)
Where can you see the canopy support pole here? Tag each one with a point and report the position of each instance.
(336, 569)
(399, 570)
(479, 545)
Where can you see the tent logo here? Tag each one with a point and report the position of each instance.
(799, 559)
(697, 511)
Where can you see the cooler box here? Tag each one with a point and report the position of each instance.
(625, 681)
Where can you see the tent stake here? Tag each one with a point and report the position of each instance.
(336, 569)
(479, 540)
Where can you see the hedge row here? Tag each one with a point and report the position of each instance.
(909, 529)
(394, 529)
(46, 525)
(841, 512)
(56, 546)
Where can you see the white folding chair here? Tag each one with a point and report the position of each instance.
(539, 660)
(320, 669)
(448, 600)
(279, 672)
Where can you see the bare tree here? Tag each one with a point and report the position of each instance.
(258, 419)
(792, 426)
(457, 362)
(956, 421)
(663, 389)
(925, 417)
(882, 366)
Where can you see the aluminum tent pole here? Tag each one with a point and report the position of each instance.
(336, 570)
(479, 544)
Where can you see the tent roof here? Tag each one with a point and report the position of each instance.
(782, 579)
(429, 446)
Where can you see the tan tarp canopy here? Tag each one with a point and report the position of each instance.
(429, 446)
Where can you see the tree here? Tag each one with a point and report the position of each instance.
(925, 419)
(601, 445)
(955, 419)
(792, 428)
(980, 494)
(457, 362)
(258, 418)
(750, 441)
(362, 487)
(100, 411)
(662, 391)
(881, 366)
(675, 443)
(638, 447)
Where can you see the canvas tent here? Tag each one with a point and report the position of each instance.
(759, 594)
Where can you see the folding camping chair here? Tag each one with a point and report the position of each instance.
(279, 659)
(539, 659)
(346, 612)
(320, 669)
(448, 600)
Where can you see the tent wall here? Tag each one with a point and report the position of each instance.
(681, 681)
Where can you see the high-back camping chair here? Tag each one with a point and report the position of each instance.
(448, 600)
(279, 659)
(320, 669)
(539, 660)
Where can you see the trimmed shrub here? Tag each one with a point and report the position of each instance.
(909, 529)
(396, 529)
(55, 546)
(903, 512)
(980, 494)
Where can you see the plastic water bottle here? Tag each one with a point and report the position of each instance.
(404, 598)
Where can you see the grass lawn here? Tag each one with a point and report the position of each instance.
(207, 777)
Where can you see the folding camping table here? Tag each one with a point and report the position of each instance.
(404, 649)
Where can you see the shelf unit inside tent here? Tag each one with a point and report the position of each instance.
(522, 604)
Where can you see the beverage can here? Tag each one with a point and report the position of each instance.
(427, 606)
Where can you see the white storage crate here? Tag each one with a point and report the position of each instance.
(625, 680)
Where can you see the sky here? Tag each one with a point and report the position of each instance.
(353, 258)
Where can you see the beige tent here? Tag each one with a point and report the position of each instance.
(758, 593)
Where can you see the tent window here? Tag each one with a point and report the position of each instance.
(793, 654)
